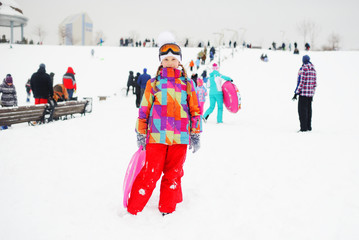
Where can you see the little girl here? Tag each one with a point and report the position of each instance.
(202, 93)
(169, 120)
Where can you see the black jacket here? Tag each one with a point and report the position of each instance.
(131, 79)
(41, 84)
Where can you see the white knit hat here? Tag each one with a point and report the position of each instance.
(166, 38)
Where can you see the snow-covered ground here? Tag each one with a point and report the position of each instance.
(255, 177)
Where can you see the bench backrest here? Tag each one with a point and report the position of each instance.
(69, 108)
(21, 114)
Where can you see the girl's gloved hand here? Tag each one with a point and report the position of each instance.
(194, 142)
(141, 140)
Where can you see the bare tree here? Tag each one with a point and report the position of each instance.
(303, 29)
(334, 40)
(314, 30)
(309, 30)
(40, 32)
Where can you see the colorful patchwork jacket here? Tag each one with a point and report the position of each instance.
(169, 109)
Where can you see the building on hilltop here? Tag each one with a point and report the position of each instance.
(76, 30)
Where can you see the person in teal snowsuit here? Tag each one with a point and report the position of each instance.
(215, 94)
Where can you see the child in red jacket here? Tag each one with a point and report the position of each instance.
(69, 82)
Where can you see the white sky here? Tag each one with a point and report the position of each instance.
(264, 21)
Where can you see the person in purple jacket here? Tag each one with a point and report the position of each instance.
(307, 83)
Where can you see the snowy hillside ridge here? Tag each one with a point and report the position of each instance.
(254, 177)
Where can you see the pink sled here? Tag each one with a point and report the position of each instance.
(134, 167)
(231, 97)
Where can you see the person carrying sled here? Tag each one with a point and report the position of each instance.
(306, 85)
(215, 93)
(168, 121)
(69, 82)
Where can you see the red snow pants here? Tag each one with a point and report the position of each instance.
(159, 158)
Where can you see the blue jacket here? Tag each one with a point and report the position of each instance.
(142, 80)
(215, 87)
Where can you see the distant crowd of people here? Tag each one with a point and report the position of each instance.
(283, 47)
(129, 42)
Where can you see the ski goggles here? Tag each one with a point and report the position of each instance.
(170, 47)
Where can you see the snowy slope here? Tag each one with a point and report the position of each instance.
(255, 177)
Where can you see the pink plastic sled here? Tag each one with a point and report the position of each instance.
(231, 97)
(134, 167)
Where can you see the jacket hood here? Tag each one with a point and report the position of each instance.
(41, 70)
(145, 70)
(306, 59)
(70, 70)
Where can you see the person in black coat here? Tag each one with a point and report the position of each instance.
(41, 85)
(138, 90)
(130, 83)
(194, 78)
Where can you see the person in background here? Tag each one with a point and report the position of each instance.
(69, 82)
(191, 65)
(137, 90)
(204, 76)
(202, 93)
(215, 93)
(130, 83)
(142, 81)
(41, 85)
(306, 85)
(198, 62)
(28, 90)
(60, 93)
(194, 77)
(8, 91)
(8, 94)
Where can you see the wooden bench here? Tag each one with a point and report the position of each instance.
(44, 112)
(102, 98)
(64, 109)
(13, 115)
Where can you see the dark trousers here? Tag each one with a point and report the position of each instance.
(142, 92)
(305, 113)
(70, 92)
(138, 97)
